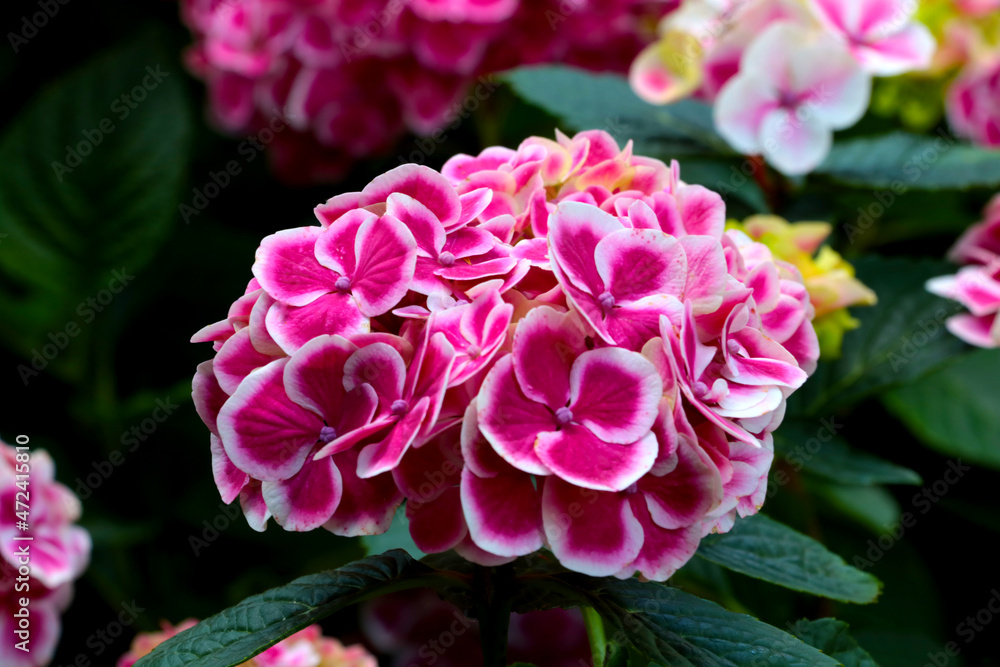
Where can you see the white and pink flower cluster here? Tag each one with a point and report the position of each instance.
(971, 43)
(782, 74)
(57, 554)
(556, 346)
(306, 648)
(351, 77)
(977, 285)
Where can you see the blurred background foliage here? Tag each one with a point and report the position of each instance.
(162, 537)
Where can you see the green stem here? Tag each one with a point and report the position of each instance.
(491, 591)
(595, 633)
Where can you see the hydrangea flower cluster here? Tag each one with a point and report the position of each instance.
(782, 74)
(416, 627)
(556, 346)
(828, 277)
(306, 648)
(977, 285)
(59, 553)
(350, 78)
(972, 44)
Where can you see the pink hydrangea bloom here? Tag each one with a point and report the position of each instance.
(325, 82)
(59, 552)
(976, 285)
(306, 648)
(973, 102)
(555, 346)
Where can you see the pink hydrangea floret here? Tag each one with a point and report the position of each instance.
(557, 346)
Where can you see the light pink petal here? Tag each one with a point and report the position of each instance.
(367, 505)
(287, 269)
(423, 184)
(683, 496)
(579, 457)
(740, 109)
(386, 454)
(909, 49)
(794, 146)
(504, 513)
(510, 421)
(236, 359)
(784, 318)
(307, 499)
(229, 479)
(702, 210)
(635, 263)
(478, 270)
(386, 253)
(546, 343)
(706, 273)
(473, 204)
(380, 366)
(470, 241)
(254, 507)
(264, 432)
(437, 525)
(591, 532)
(337, 206)
(833, 88)
(615, 393)
(981, 331)
(332, 314)
(424, 225)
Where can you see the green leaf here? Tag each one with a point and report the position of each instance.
(900, 339)
(666, 625)
(814, 448)
(899, 161)
(830, 636)
(871, 506)
(762, 548)
(590, 101)
(89, 185)
(965, 425)
(241, 632)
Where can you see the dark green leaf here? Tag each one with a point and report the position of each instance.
(813, 447)
(765, 549)
(900, 339)
(899, 161)
(830, 636)
(89, 185)
(241, 632)
(589, 101)
(967, 424)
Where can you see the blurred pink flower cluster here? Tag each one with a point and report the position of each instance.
(783, 75)
(556, 346)
(41, 570)
(977, 285)
(418, 628)
(306, 648)
(350, 78)
(972, 43)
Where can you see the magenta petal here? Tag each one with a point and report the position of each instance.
(473, 204)
(683, 496)
(387, 254)
(229, 479)
(438, 525)
(477, 453)
(504, 513)
(335, 247)
(380, 366)
(706, 273)
(254, 507)
(332, 314)
(546, 343)
(307, 499)
(510, 421)
(287, 269)
(314, 377)
(427, 230)
(423, 184)
(430, 373)
(208, 395)
(589, 531)
(385, 455)
(263, 431)
(664, 551)
(575, 229)
(635, 263)
(579, 457)
(615, 393)
(703, 211)
(426, 471)
(236, 359)
(368, 505)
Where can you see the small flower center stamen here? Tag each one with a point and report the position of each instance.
(607, 301)
(399, 407)
(327, 434)
(446, 258)
(733, 346)
(343, 284)
(700, 389)
(564, 416)
(473, 351)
